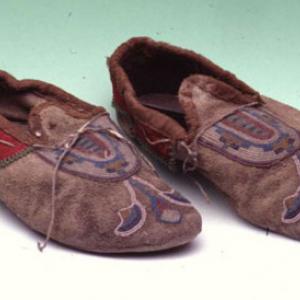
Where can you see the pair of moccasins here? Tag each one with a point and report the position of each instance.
(68, 173)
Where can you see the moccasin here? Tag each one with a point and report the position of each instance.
(68, 173)
(194, 116)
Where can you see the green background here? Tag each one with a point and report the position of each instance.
(66, 42)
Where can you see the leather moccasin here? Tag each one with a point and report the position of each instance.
(68, 173)
(192, 114)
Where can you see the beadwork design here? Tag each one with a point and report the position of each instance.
(291, 204)
(163, 206)
(252, 136)
(97, 155)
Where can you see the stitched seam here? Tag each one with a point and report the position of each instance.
(4, 163)
(140, 121)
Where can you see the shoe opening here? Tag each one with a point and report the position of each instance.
(156, 74)
(16, 106)
(156, 71)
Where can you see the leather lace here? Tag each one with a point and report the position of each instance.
(68, 145)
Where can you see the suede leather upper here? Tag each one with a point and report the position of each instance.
(245, 143)
(107, 197)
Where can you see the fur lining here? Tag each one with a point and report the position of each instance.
(143, 48)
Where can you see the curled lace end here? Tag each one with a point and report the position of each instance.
(191, 161)
(42, 245)
(202, 190)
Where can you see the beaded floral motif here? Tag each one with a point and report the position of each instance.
(291, 204)
(163, 206)
(100, 156)
(252, 136)
(97, 155)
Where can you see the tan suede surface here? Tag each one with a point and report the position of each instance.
(86, 212)
(88, 206)
(257, 193)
